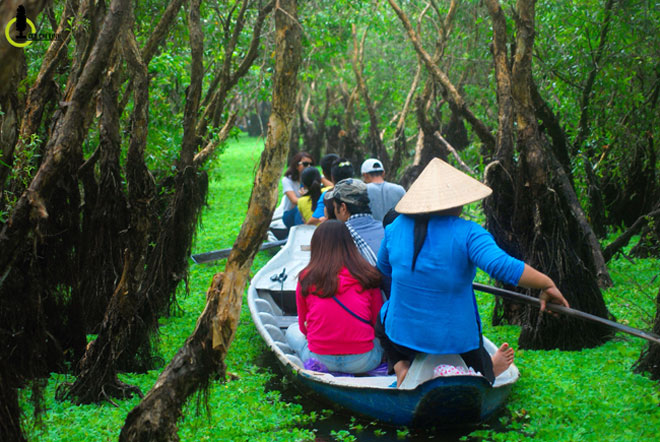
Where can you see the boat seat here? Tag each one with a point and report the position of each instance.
(267, 318)
(285, 321)
(285, 348)
(275, 333)
(295, 360)
(263, 306)
(421, 369)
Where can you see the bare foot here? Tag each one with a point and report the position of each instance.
(502, 359)
(401, 370)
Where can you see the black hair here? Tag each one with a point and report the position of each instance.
(311, 179)
(326, 164)
(329, 206)
(421, 228)
(419, 235)
(342, 169)
(353, 209)
(292, 171)
(376, 173)
(389, 217)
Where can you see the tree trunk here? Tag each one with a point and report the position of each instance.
(375, 144)
(400, 144)
(498, 174)
(162, 221)
(125, 323)
(649, 359)
(452, 94)
(313, 135)
(538, 211)
(428, 144)
(632, 189)
(154, 419)
(10, 411)
(430, 147)
(51, 202)
(13, 69)
(622, 240)
(105, 210)
(348, 140)
(455, 132)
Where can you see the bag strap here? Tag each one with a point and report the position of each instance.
(352, 314)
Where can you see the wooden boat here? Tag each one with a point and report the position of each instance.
(447, 401)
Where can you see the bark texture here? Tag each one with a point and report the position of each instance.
(438, 91)
(533, 214)
(452, 94)
(163, 215)
(375, 142)
(313, 134)
(649, 360)
(39, 240)
(125, 317)
(154, 419)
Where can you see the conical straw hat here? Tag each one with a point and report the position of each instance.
(440, 187)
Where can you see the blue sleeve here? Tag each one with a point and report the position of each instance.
(487, 255)
(320, 206)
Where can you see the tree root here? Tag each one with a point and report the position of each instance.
(106, 391)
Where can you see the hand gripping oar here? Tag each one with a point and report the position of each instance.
(519, 297)
(201, 258)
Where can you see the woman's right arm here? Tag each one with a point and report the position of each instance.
(292, 197)
(488, 256)
(533, 279)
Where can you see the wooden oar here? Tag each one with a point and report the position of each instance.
(201, 258)
(519, 297)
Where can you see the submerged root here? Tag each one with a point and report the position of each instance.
(84, 393)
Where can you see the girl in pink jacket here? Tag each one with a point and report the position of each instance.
(338, 301)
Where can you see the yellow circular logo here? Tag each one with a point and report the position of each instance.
(11, 41)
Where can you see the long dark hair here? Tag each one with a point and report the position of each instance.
(326, 164)
(292, 171)
(332, 249)
(329, 204)
(422, 225)
(311, 179)
(419, 235)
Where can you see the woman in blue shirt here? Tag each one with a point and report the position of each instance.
(432, 255)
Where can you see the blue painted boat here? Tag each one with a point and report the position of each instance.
(422, 400)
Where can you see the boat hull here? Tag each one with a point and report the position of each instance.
(450, 402)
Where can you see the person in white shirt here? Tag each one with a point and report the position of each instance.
(291, 188)
(383, 195)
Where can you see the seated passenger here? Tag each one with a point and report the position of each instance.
(311, 181)
(326, 167)
(291, 188)
(341, 169)
(432, 256)
(338, 301)
(351, 204)
(383, 195)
